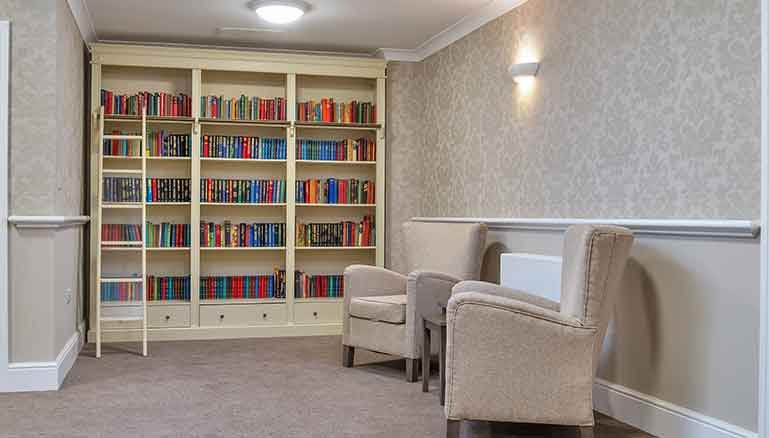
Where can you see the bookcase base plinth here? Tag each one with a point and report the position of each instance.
(210, 333)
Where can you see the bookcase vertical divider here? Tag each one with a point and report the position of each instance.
(380, 172)
(195, 201)
(290, 193)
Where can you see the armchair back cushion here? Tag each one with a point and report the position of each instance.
(454, 249)
(594, 258)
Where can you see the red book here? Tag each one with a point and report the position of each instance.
(246, 148)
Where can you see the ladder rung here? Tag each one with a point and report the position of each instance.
(123, 137)
(121, 318)
(124, 171)
(121, 279)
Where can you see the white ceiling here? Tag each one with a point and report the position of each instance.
(352, 26)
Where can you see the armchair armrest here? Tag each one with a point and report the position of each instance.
(508, 360)
(365, 280)
(494, 289)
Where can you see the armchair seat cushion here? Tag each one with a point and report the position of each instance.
(386, 308)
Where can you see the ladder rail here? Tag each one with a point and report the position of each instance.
(143, 192)
(100, 198)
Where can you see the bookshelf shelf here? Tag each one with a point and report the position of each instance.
(338, 162)
(205, 302)
(123, 205)
(169, 158)
(319, 300)
(242, 160)
(121, 280)
(235, 122)
(337, 205)
(112, 118)
(105, 243)
(205, 78)
(123, 171)
(245, 204)
(169, 248)
(335, 248)
(168, 303)
(242, 248)
(121, 157)
(350, 126)
(121, 303)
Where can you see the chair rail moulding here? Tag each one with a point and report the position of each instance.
(48, 221)
(743, 229)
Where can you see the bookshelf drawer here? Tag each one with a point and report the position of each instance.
(242, 314)
(309, 313)
(168, 316)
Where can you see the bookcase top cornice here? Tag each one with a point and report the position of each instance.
(235, 60)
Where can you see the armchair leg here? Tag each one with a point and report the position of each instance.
(348, 356)
(586, 432)
(412, 369)
(452, 428)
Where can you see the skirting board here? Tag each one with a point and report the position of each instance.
(43, 376)
(658, 417)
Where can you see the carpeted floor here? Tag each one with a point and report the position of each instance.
(282, 388)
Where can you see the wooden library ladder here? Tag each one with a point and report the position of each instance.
(118, 312)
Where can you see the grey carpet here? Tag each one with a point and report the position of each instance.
(279, 387)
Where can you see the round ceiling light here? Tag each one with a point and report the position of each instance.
(280, 11)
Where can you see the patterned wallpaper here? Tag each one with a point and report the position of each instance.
(640, 110)
(33, 96)
(70, 102)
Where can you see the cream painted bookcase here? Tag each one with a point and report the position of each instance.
(128, 69)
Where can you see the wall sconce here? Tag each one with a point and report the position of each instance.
(524, 71)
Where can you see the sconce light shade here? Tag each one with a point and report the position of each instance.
(524, 70)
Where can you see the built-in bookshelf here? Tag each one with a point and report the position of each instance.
(233, 207)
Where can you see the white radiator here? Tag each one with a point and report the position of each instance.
(532, 273)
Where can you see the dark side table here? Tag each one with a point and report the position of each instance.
(434, 324)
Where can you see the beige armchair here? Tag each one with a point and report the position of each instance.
(515, 357)
(383, 309)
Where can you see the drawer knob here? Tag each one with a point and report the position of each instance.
(221, 316)
(315, 314)
(168, 317)
(264, 315)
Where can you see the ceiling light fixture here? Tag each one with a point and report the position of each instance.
(279, 11)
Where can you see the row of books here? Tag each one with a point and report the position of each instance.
(335, 191)
(243, 108)
(242, 191)
(318, 286)
(344, 233)
(164, 288)
(242, 235)
(122, 148)
(168, 190)
(244, 286)
(336, 112)
(121, 233)
(362, 149)
(228, 146)
(157, 104)
(121, 292)
(121, 189)
(168, 235)
(164, 144)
